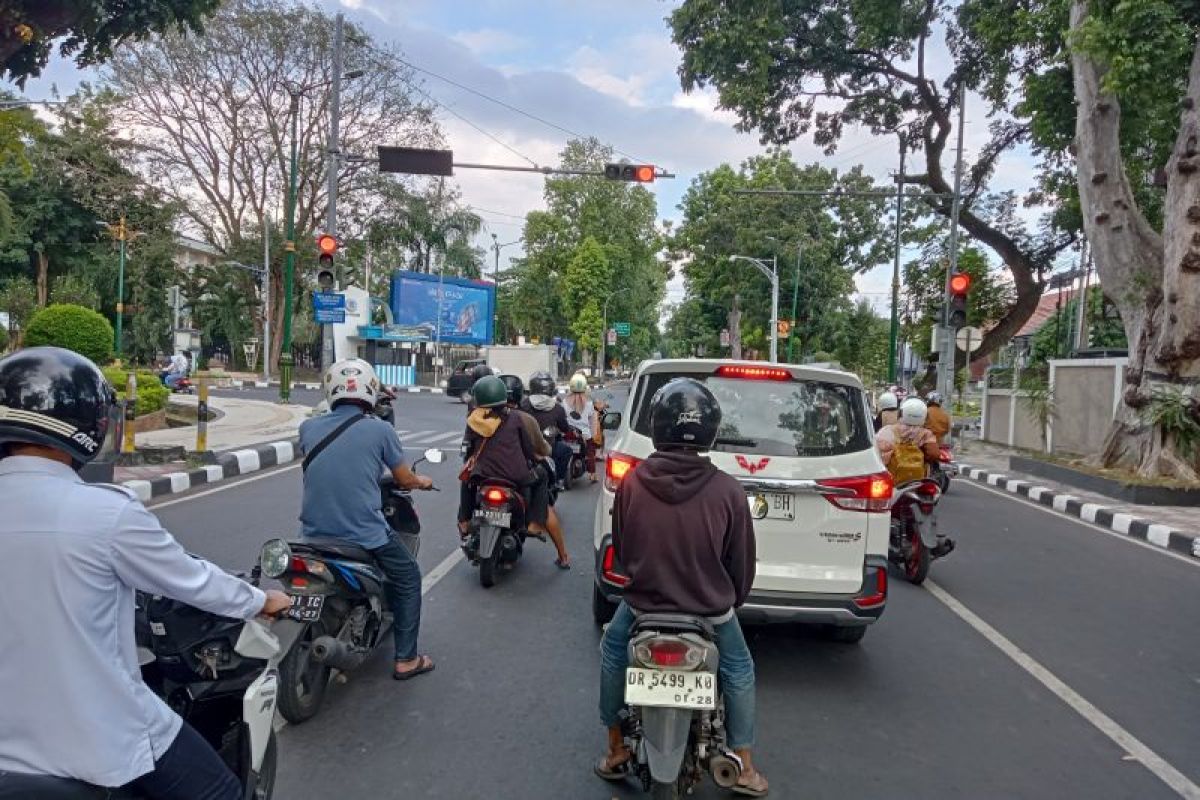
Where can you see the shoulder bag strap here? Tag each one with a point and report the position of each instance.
(321, 445)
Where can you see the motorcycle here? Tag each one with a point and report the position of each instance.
(945, 468)
(674, 724)
(219, 674)
(578, 462)
(913, 542)
(497, 531)
(383, 405)
(337, 596)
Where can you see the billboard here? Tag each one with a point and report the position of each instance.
(463, 311)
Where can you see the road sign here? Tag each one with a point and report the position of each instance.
(725, 338)
(250, 348)
(622, 328)
(329, 301)
(329, 316)
(612, 336)
(969, 339)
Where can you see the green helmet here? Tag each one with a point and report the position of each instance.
(489, 391)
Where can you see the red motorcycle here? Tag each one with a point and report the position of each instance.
(914, 542)
(945, 469)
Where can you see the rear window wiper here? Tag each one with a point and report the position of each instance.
(734, 442)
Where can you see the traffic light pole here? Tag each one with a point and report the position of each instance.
(289, 265)
(945, 370)
(328, 354)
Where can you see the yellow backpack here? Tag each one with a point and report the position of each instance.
(908, 461)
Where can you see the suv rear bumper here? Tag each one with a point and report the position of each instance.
(764, 606)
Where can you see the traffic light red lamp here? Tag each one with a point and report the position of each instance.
(327, 247)
(960, 285)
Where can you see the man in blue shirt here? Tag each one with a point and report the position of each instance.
(342, 499)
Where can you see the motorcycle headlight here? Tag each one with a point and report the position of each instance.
(275, 558)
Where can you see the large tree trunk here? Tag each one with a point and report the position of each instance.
(43, 279)
(1153, 280)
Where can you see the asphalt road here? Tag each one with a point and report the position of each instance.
(924, 707)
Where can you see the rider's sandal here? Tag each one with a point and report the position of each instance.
(558, 562)
(424, 665)
(756, 787)
(614, 772)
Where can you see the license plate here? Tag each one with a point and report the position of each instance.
(306, 608)
(670, 688)
(770, 505)
(501, 519)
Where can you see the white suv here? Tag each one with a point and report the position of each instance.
(801, 442)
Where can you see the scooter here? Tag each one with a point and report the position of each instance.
(675, 722)
(338, 597)
(945, 469)
(578, 464)
(913, 542)
(219, 674)
(497, 532)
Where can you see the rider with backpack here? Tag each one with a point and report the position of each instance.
(906, 445)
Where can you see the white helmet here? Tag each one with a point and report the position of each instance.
(913, 411)
(934, 398)
(351, 379)
(888, 401)
(578, 384)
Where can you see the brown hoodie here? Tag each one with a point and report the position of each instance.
(501, 444)
(683, 533)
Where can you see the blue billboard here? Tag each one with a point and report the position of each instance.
(463, 309)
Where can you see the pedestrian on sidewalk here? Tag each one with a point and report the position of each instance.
(342, 501)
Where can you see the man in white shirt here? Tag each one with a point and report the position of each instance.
(177, 369)
(74, 704)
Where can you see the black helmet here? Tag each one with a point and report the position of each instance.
(54, 397)
(489, 391)
(541, 383)
(480, 371)
(516, 389)
(684, 414)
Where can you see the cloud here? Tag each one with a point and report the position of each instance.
(490, 40)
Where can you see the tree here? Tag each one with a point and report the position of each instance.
(587, 277)
(1057, 336)
(73, 327)
(74, 290)
(862, 343)
(820, 244)
(18, 299)
(865, 60)
(88, 29)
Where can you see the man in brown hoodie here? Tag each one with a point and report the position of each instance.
(683, 533)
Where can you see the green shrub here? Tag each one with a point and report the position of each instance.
(73, 327)
(151, 394)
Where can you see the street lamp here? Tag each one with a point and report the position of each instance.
(604, 332)
(772, 273)
(121, 233)
(795, 297)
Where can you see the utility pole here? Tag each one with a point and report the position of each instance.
(894, 333)
(1081, 336)
(735, 328)
(332, 168)
(266, 290)
(289, 266)
(122, 235)
(946, 359)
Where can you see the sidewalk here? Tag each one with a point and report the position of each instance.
(1175, 528)
(247, 380)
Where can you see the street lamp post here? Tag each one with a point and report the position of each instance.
(604, 332)
(772, 273)
(289, 265)
(122, 235)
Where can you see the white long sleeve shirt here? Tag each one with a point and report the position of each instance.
(72, 701)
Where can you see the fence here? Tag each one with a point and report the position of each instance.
(1077, 406)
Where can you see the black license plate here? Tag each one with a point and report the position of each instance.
(306, 608)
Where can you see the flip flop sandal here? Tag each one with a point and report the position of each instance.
(746, 790)
(558, 562)
(615, 773)
(426, 665)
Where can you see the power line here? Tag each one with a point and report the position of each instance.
(508, 106)
(497, 213)
(450, 110)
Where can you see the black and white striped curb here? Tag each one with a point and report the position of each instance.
(316, 387)
(230, 464)
(1154, 533)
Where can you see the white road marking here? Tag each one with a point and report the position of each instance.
(1121, 537)
(224, 486)
(1172, 777)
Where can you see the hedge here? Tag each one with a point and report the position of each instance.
(73, 327)
(151, 394)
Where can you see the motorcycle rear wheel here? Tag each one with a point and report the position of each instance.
(302, 681)
(487, 571)
(916, 565)
(665, 791)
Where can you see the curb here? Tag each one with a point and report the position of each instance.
(1154, 533)
(230, 464)
(316, 387)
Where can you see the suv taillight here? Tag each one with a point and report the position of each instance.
(875, 595)
(860, 493)
(616, 467)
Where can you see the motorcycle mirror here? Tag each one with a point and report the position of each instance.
(434, 456)
(256, 641)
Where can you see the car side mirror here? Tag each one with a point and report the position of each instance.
(611, 421)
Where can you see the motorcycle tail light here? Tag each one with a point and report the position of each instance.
(495, 497)
(610, 569)
(669, 653)
(308, 566)
(860, 493)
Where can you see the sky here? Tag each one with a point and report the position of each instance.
(606, 69)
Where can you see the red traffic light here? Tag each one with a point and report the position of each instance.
(638, 173)
(960, 282)
(327, 244)
(643, 174)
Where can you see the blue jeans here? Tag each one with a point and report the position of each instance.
(172, 379)
(403, 591)
(190, 770)
(735, 671)
(562, 459)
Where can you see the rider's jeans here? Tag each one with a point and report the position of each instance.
(562, 459)
(403, 590)
(190, 770)
(736, 673)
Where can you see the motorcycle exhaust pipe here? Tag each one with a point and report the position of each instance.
(336, 654)
(726, 770)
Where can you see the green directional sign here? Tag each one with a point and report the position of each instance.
(622, 328)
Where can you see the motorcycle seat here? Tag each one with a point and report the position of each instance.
(334, 547)
(673, 623)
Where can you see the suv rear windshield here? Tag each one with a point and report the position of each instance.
(776, 418)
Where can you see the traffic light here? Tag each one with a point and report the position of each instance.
(637, 173)
(960, 285)
(327, 246)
